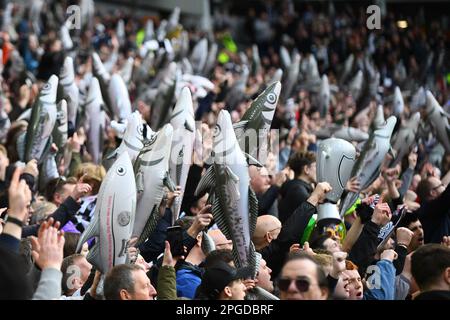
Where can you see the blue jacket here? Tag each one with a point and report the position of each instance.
(386, 289)
(189, 278)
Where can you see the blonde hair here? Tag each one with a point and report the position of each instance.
(94, 175)
(324, 260)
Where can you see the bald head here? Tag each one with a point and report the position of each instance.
(220, 240)
(267, 229)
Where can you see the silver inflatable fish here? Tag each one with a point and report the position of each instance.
(113, 219)
(399, 105)
(404, 139)
(149, 31)
(291, 77)
(208, 244)
(211, 59)
(118, 95)
(348, 66)
(70, 89)
(38, 139)
(355, 86)
(152, 175)
(183, 124)
(256, 61)
(235, 206)
(103, 76)
(60, 130)
(351, 134)
(96, 121)
(65, 38)
(324, 96)
(418, 100)
(120, 32)
(285, 58)
(133, 139)
(162, 105)
(127, 70)
(277, 76)
(237, 90)
(199, 56)
(368, 165)
(251, 132)
(47, 171)
(438, 120)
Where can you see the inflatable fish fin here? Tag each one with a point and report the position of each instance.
(262, 294)
(206, 182)
(253, 259)
(140, 181)
(112, 155)
(179, 166)
(392, 152)
(234, 193)
(252, 210)
(20, 144)
(94, 256)
(239, 128)
(92, 231)
(445, 114)
(252, 161)
(240, 125)
(168, 182)
(220, 218)
(188, 126)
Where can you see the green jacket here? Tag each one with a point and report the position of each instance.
(167, 285)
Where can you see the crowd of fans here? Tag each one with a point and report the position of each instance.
(41, 225)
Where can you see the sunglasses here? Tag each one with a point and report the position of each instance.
(302, 284)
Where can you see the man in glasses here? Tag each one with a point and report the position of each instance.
(302, 279)
(434, 211)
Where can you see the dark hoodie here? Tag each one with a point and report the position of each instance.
(189, 277)
(293, 194)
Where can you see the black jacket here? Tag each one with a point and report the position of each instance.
(291, 232)
(267, 199)
(293, 194)
(14, 284)
(435, 217)
(154, 246)
(434, 295)
(365, 248)
(63, 214)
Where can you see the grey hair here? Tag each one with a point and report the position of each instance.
(119, 278)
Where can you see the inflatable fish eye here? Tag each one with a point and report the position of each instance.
(152, 138)
(121, 170)
(60, 116)
(271, 97)
(217, 130)
(140, 129)
(47, 86)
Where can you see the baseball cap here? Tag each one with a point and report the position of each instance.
(220, 274)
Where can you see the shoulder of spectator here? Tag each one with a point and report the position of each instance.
(9, 242)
